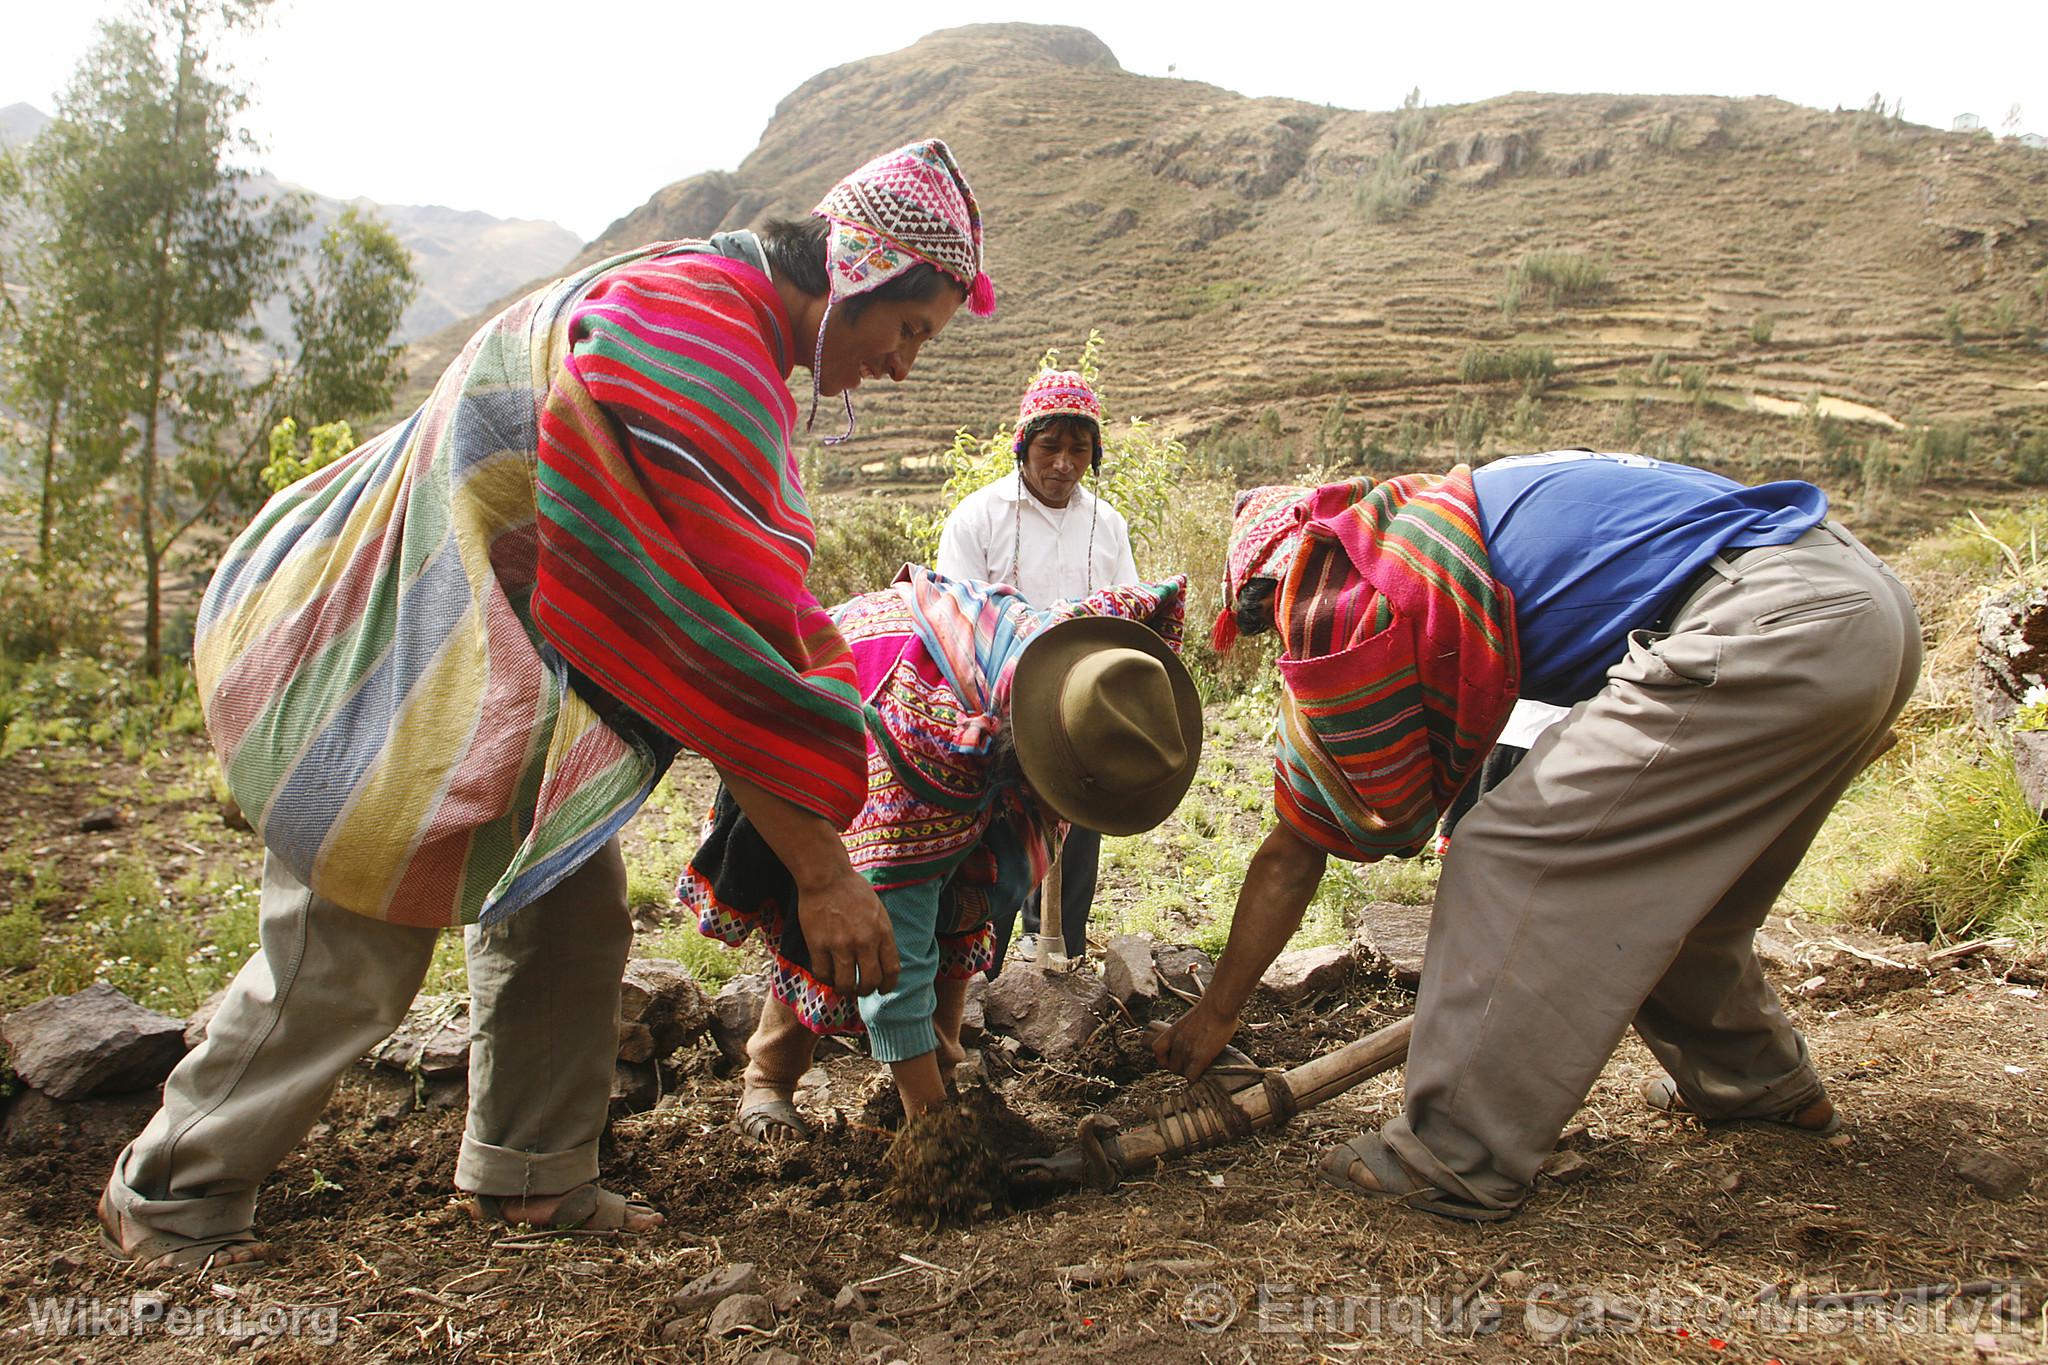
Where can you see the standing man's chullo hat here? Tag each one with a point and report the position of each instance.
(1056, 393)
(907, 207)
(1107, 722)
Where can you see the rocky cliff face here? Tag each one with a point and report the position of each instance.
(1242, 259)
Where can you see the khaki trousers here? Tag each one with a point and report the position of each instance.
(1618, 875)
(327, 985)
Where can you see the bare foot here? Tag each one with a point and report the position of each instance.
(539, 1211)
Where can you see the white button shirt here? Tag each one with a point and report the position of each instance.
(980, 541)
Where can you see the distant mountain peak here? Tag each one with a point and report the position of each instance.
(21, 122)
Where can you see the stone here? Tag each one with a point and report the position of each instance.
(973, 1069)
(849, 1300)
(661, 1007)
(100, 821)
(433, 1040)
(636, 1042)
(95, 1042)
(774, 1355)
(1184, 968)
(635, 1087)
(1051, 1012)
(196, 1022)
(674, 1330)
(1390, 938)
(734, 1012)
(974, 1013)
(1128, 970)
(785, 1299)
(741, 1313)
(36, 1123)
(870, 1342)
(1567, 1168)
(2012, 660)
(714, 1286)
(1305, 973)
(1992, 1175)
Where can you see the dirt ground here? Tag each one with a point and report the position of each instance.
(1667, 1242)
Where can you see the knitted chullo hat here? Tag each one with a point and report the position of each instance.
(1056, 393)
(1265, 533)
(907, 207)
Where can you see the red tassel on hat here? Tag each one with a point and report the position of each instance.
(1224, 635)
(981, 299)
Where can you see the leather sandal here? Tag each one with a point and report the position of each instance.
(773, 1123)
(156, 1255)
(1818, 1119)
(588, 1210)
(1393, 1181)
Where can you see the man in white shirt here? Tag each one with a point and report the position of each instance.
(1046, 535)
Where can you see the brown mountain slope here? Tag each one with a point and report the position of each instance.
(1224, 246)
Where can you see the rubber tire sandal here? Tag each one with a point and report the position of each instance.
(1662, 1095)
(156, 1256)
(757, 1121)
(589, 1210)
(1397, 1183)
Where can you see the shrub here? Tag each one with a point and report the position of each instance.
(1566, 276)
(2030, 458)
(1762, 328)
(1392, 189)
(862, 542)
(1532, 367)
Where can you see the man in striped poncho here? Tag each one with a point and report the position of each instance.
(1731, 660)
(443, 672)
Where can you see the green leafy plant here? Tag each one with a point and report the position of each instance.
(292, 460)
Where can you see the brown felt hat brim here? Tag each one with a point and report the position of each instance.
(1047, 761)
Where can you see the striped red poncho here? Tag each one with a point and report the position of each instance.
(1398, 657)
(674, 533)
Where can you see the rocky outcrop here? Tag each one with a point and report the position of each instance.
(2011, 684)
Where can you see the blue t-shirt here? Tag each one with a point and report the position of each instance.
(1594, 546)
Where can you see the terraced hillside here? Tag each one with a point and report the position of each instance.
(1252, 260)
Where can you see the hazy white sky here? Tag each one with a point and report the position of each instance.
(579, 111)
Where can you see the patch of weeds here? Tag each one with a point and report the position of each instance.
(1978, 861)
(710, 961)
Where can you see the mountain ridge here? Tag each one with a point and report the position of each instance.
(1807, 264)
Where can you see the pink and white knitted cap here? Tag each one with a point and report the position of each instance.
(1056, 393)
(906, 206)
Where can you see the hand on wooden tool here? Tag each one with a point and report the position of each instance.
(1193, 1040)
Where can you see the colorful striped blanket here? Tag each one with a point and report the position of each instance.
(603, 479)
(1398, 662)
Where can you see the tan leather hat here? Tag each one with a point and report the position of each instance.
(1108, 723)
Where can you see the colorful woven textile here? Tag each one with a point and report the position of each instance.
(1055, 393)
(936, 660)
(1398, 662)
(1265, 531)
(388, 710)
(672, 563)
